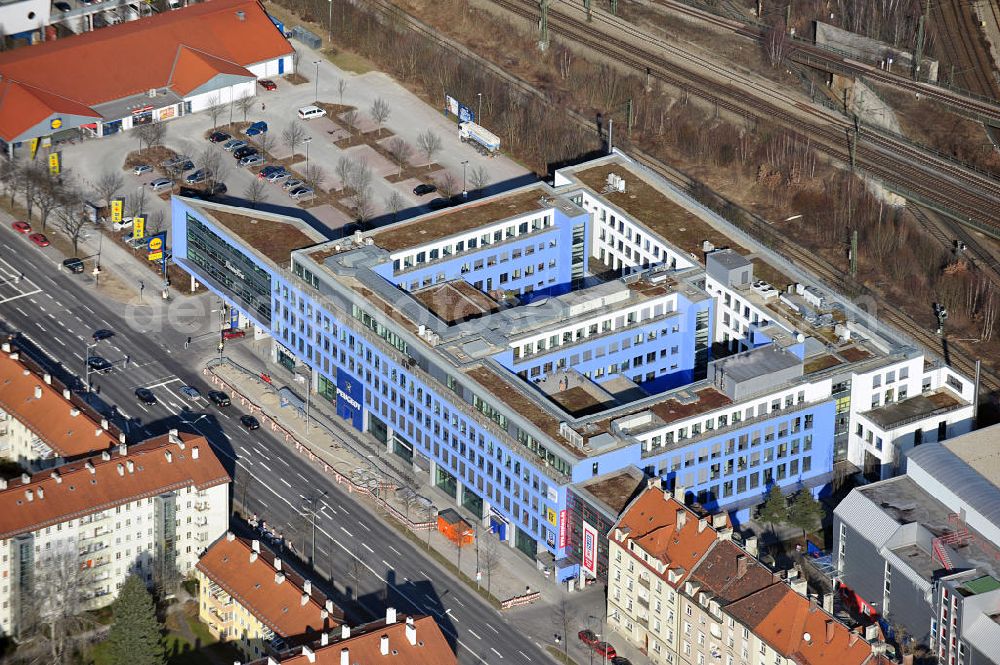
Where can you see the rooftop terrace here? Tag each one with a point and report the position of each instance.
(915, 408)
(456, 301)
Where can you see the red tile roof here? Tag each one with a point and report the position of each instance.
(131, 58)
(49, 415)
(253, 582)
(364, 646)
(74, 490)
(729, 573)
(651, 521)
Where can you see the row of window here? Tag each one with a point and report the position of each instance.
(472, 242)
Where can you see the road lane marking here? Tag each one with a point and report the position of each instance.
(387, 564)
(496, 652)
(286, 482)
(21, 295)
(349, 534)
(490, 626)
(395, 550)
(524, 654)
(59, 341)
(265, 466)
(473, 633)
(368, 548)
(363, 526)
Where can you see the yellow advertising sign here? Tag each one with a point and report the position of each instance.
(117, 206)
(54, 163)
(155, 248)
(34, 147)
(139, 228)
(552, 516)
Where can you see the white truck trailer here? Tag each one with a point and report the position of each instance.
(482, 140)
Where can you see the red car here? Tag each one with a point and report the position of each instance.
(587, 637)
(605, 649)
(22, 227)
(233, 333)
(39, 239)
(268, 84)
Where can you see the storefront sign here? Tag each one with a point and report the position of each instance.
(562, 529)
(350, 396)
(589, 553)
(54, 163)
(166, 113)
(117, 206)
(55, 123)
(551, 516)
(154, 246)
(139, 228)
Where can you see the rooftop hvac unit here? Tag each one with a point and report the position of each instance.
(152, 92)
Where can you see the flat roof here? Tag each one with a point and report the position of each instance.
(614, 490)
(435, 226)
(456, 301)
(275, 238)
(755, 363)
(980, 450)
(914, 408)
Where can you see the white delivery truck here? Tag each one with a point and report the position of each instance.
(483, 140)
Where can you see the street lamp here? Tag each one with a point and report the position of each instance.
(312, 512)
(479, 108)
(316, 62)
(307, 140)
(465, 190)
(330, 24)
(86, 363)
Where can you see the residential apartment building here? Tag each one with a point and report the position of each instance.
(684, 592)
(413, 640)
(248, 596)
(147, 509)
(923, 550)
(42, 423)
(517, 345)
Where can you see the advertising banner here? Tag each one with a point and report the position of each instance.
(54, 163)
(139, 228)
(34, 147)
(117, 207)
(465, 114)
(588, 555)
(451, 105)
(562, 529)
(154, 246)
(350, 399)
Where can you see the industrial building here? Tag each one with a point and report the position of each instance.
(514, 346)
(179, 62)
(922, 550)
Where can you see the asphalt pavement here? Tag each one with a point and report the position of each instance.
(58, 312)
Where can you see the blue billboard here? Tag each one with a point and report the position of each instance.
(350, 399)
(465, 114)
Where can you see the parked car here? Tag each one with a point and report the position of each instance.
(21, 227)
(310, 112)
(216, 189)
(233, 333)
(251, 160)
(302, 193)
(140, 169)
(587, 637)
(126, 223)
(423, 190)
(244, 151)
(250, 422)
(439, 204)
(233, 144)
(219, 398)
(292, 183)
(62, 6)
(196, 177)
(256, 128)
(268, 170)
(605, 649)
(145, 395)
(219, 137)
(268, 84)
(39, 239)
(74, 265)
(620, 660)
(191, 393)
(174, 161)
(160, 184)
(181, 167)
(277, 175)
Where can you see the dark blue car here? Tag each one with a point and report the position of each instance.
(256, 128)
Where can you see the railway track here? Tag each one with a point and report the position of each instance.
(963, 49)
(967, 195)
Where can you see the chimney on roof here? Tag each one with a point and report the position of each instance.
(702, 523)
(719, 521)
(122, 449)
(41, 493)
(172, 436)
(38, 392)
(74, 412)
(854, 639)
(383, 645)
(304, 600)
(390, 616)
(121, 469)
(680, 493)
(800, 586)
(750, 545)
(253, 556)
(169, 455)
(121, 437)
(831, 626)
(307, 587)
(47, 378)
(279, 578)
(329, 605)
(411, 631)
(277, 563)
(255, 545)
(29, 495)
(194, 452)
(55, 476)
(5, 347)
(66, 393)
(324, 639)
(241, 15)
(230, 536)
(308, 653)
(826, 600)
(742, 564)
(105, 424)
(89, 466)
(25, 479)
(345, 656)
(98, 431)
(3, 483)
(654, 482)
(345, 631)
(681, 518)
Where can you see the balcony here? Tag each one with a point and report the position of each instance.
(201, 521)
(202, 506)
(99, 532)
(644, 602)
(92, 548)
(644, 581)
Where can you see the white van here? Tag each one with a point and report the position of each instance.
(310, 112)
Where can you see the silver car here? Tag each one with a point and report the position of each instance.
(251, 160)
(302, 194)
(233, 144)
(160, 184)
(140, 169)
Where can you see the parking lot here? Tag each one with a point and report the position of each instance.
(408, 118)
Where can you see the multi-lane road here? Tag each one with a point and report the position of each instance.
(59, 312)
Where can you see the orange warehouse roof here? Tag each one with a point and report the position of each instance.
(131, 58)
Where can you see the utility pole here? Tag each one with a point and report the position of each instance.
(628, 110)
(919, 53)
(854, 253)
(852, 137)
(543, 24)
(611, 135)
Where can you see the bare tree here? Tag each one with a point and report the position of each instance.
(11, 172)
(56, 613)
(214, 110)
(479, 178)
(341, 87)
(776, 43)
(562, 619)
(400, 151)
(447, 184)
(72, 221)
(315, 176)
(254, 192)
(489, 558)
(265, 141)
(429, 143)
(50, 194)
(34, 173)
(350, 120)
(380, 112)
(363, 203)
(360, 176)
(155, 222)
(151, 134)
(345, 166)
(244, 104)
(394, 203)
(210, 160)
(108, 185)
(135, 202)
(293, 135)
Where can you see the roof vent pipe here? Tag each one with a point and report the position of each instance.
(241, 15)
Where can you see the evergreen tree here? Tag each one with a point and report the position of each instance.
(805, 511)
(135, 636)
(774, 509)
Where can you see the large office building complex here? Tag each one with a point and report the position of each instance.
(519, 344)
